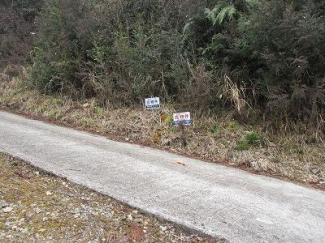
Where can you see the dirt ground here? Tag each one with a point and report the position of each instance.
(38, 207)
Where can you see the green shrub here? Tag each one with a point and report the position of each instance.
(242, 145)
(274, 52)
(245, 54)
(232, 125)
(213, 129)
(251, 139)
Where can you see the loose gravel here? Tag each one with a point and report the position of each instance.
(38, 207)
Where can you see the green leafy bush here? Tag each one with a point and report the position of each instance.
(251, 139)
(213, 129)
(215, 54)
(274, 52)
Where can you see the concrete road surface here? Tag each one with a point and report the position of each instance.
(210, 198)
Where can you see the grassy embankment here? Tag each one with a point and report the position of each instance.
(217, 139)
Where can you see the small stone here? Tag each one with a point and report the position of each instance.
(139, 220)
(3, 204)
(42, 230)
(135, 211)
(163, 228)
(315, 171)
(110, 214)
(24, 231)
(7, 209)
(130, 218)
(37, 210)
(29, 214)
(48, 193)
(312, 180)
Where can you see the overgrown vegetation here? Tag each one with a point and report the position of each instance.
(265, 59)
(17, 27)
(251, 139)
(217, 139)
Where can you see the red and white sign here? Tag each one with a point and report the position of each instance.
(182, 117)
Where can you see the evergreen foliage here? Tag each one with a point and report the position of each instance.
(267, 56)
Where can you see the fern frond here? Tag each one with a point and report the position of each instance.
(220, 13)
(227, 12)
(210, 15)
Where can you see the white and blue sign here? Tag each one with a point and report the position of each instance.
(182, 117)
(152, 103)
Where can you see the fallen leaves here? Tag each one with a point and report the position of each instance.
(180, 162)
(23, 172)
(135, 232)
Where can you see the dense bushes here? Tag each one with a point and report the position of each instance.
(262, 55)
(288, 48)
(16, 28)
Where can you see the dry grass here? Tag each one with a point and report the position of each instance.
(215, 139)
(37, 207)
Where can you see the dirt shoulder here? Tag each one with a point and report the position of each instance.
(38, 207)
(216, 139)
